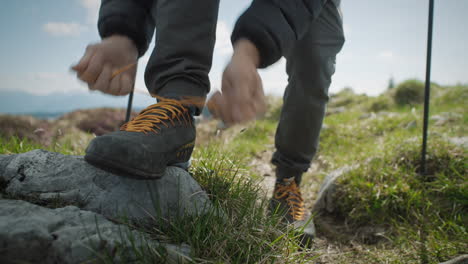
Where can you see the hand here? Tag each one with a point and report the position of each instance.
(109, 66)
(242, 98)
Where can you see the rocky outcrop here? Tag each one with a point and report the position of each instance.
(76, 125)
(325, 200)
(459, 141)
(446, 118)
(463, 259)
(56, 208)
(46, 176)
(34, 234)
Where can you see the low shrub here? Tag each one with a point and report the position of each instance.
(409, 92)
(380, 103)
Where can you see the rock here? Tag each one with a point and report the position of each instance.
(388, 114)
(34, 234)
(324, 200)
(459, 141)
(463, 259)
(370, 115)
(411, 125)
(4, 160)
(48, 177)
(445, 117)
(335, 110)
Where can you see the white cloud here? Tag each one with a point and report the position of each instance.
(92, 10)
(63, 29)
(223, 39)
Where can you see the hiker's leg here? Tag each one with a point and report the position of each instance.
(185, 38)
(310, 66)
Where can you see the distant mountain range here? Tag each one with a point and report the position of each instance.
(54, 104)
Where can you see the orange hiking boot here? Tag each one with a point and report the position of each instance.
(162, 134)
(287, 201)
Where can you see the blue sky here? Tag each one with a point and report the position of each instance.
(41, 39)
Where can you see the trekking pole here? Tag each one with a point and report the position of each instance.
(129, 107)
(130, 96)
(427, 88)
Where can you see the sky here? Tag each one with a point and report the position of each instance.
(40, 40)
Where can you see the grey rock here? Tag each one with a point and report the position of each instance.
(325, 200)
(459, 141)
(50, 176)
(34, 234)
(335, 110)
(463, 259)
(4, 160)
(445, 117)
(370, 115)
(388, 114)
(411, 125)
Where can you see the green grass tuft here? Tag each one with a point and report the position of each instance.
(389, 191)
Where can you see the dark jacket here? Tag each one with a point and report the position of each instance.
(131, 18)
(274, 25)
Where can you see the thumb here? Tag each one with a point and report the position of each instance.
(83, 63)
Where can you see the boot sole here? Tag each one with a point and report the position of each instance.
(117, 168)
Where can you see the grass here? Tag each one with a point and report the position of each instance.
(418, 218)
(237, 229)
(14, 145)
(386, 191)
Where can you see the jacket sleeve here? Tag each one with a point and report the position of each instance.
(274, 25)
(131, 18)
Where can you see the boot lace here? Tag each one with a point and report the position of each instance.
(291, 193)
(155, 116)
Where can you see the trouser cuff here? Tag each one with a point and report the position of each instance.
(287, 168)
(182, 89)
(285, 172)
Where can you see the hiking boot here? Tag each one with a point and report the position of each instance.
(287, 201)
(162, 134)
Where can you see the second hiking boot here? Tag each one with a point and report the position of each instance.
(162, 134)
(287, 201)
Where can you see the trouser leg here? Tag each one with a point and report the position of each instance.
(310, 66)
(185, 39)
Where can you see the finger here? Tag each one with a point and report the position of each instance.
(124, 69)
(126, 84)
(103, 81)
(94, 69)
(114, 87)
(83, 63)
